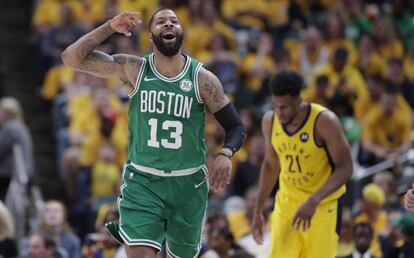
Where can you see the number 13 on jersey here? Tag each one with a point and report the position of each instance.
(175, 139)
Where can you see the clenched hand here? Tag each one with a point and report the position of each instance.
(125, 22)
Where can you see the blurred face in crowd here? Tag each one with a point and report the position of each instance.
(166, 32)
(219, 243)
(388, 103)
(375, 89)
(312, 39)
(395, 70)
(101, 98)
(363, 237)
(37, 248)
(339, 64)
(386, 182)
(256, 150)
(334, 27)
(54, 214)
(286, 107)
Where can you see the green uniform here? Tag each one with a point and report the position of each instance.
(164, 194)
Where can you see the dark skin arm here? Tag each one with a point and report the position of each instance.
(269, 173)
(82, 56)
(211, 91)
(329, 132)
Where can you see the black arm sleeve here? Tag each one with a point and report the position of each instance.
(229, 119)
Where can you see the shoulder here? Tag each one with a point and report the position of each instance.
(206, 78)
(267, 122)
(326, 118)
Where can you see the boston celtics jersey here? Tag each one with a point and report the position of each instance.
(166, 118)
(304, 166)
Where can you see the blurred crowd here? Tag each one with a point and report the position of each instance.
(357, 58)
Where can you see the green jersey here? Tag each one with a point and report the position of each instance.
(166, 118)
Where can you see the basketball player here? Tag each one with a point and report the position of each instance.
(409, 199)
(164, 191)
(307, 150)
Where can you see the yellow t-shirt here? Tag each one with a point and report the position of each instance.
(343, 43)
(387, 131)
(352, 76)
(239, 224)
(85, 120)
(231, 9)
(379, 226)
(393, 49)
(48, 12)
(54, 80)
(199, 35)
(105, 177)
(304, 166)
(254, 81)
(409, 68)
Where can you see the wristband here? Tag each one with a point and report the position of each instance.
(224, 154)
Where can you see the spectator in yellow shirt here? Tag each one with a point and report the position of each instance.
(311, 54)
(106, 174)
(335, 38)
(343, 79)
(86, 133)
(386, 41)
(246, 13)
(386, 130)
(370, 62)
(395, 74)
(320, 94)
(373, 199)
(371, 101)
(258, 65)
(200, 34)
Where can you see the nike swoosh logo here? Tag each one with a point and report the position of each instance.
(149, 79)
(330, 210)
(198, 185)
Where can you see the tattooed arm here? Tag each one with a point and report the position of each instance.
(212, 93)
(82, 55)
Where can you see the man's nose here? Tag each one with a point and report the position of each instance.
(168, 24)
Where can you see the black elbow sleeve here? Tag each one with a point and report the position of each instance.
(229, 119)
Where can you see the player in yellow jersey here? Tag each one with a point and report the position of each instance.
(307, 150)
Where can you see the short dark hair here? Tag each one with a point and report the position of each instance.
(286, 83)
(152, 17)
(362, 225)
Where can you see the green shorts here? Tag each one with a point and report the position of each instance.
(154, 208)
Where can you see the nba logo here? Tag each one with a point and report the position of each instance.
(304, 137)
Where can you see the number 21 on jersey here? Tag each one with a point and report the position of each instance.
(175, 141)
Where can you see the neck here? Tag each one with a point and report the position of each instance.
(169, 66)
(299, 116)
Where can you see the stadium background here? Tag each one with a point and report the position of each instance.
(356, 57)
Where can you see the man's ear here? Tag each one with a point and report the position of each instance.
(150, 36)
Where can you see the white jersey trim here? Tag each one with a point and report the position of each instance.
(195, 80)
(139, 77)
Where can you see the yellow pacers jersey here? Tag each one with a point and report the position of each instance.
(304, 166)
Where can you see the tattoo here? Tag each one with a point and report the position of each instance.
(86, 44)
(211, 91)
(82, 56)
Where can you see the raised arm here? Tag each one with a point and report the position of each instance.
(212, 93)
(269, 173)
(82, 55)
